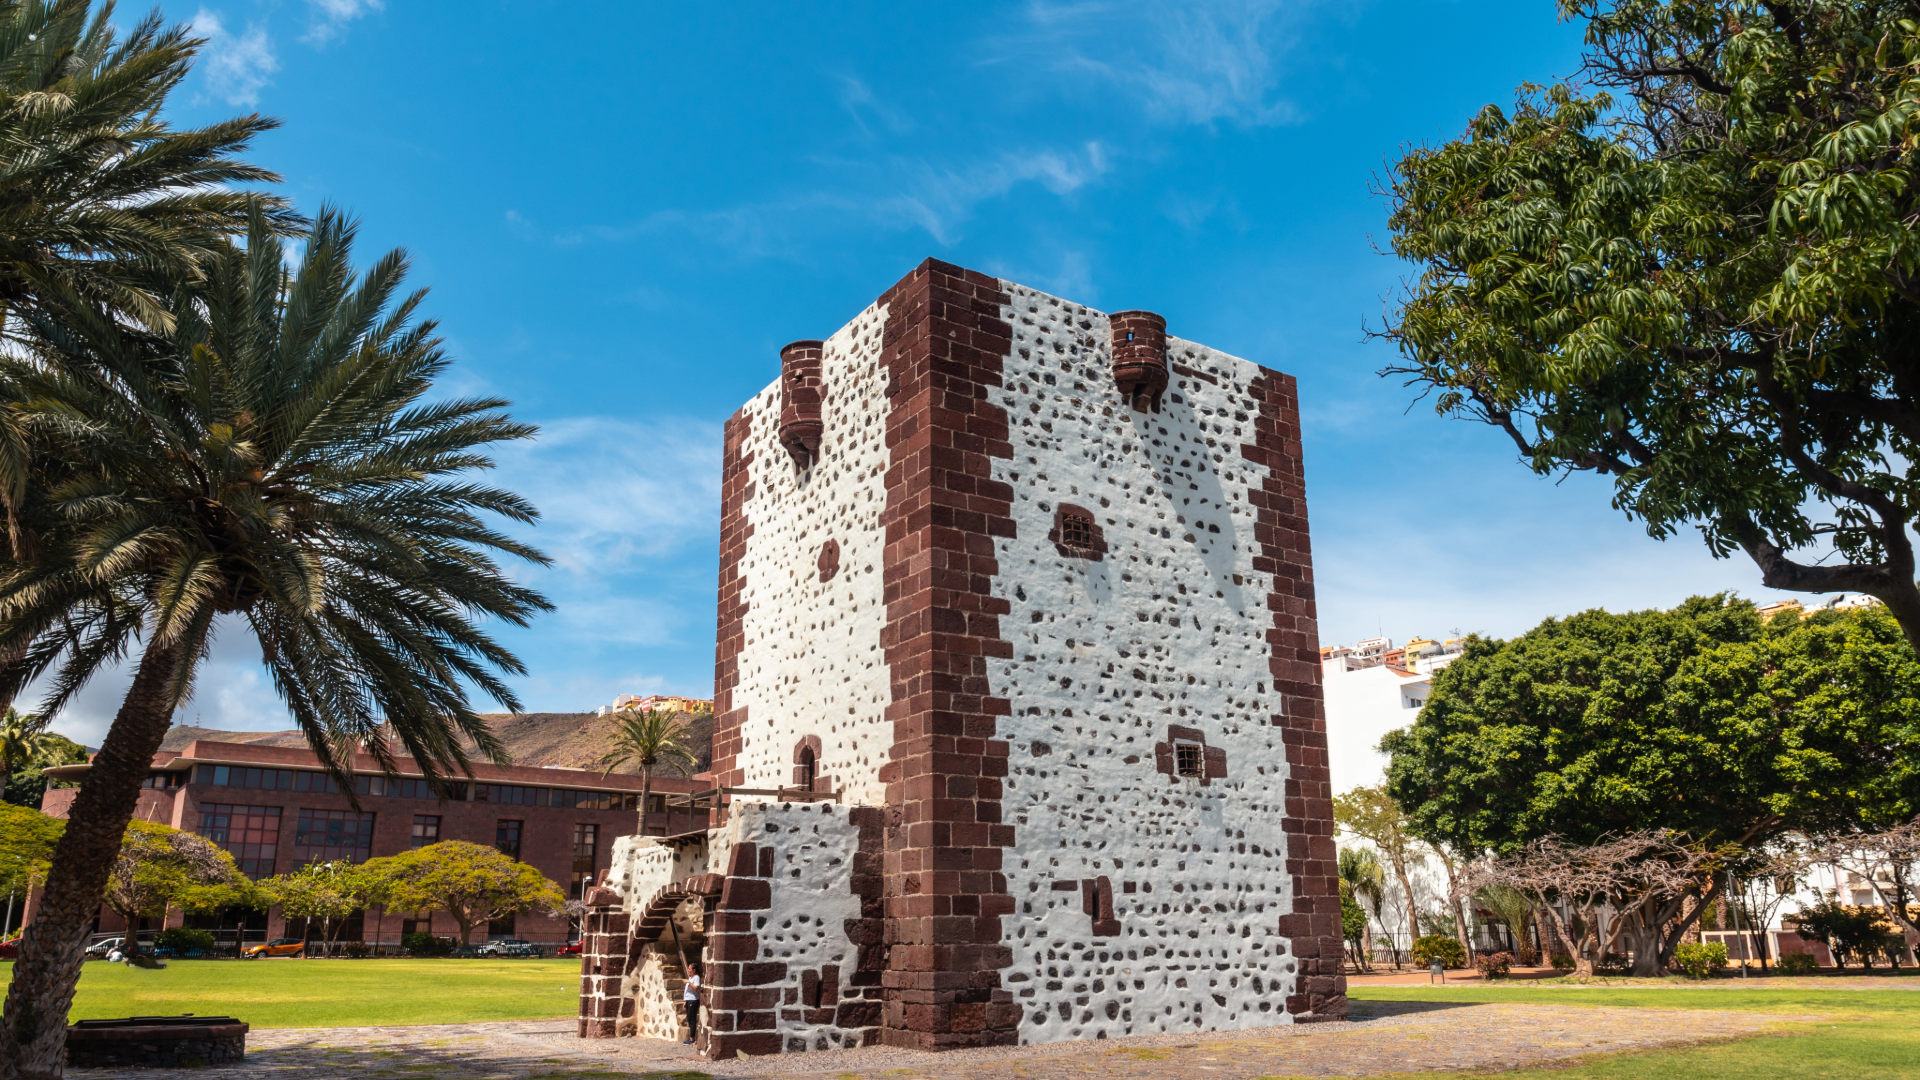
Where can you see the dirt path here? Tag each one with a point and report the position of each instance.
(1385, 1037)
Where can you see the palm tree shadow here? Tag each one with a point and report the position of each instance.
(1381, 1010)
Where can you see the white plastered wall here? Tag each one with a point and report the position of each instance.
(806, 926)
(811, 661)
(1169, 629)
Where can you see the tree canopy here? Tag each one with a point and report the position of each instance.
(161, 867)
(27, 839)
(1706, 287)
(472, 882)
(1701, 720)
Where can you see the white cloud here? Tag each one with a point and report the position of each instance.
(909, 194)
(939, 200)
(235, 66)
(330, 17)
(1185, 62)
(614, 493)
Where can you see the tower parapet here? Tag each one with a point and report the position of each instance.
(800, 424)
(1140, 357)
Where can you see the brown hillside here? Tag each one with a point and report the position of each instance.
(570, 740)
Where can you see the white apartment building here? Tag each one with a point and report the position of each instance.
(1368, 692)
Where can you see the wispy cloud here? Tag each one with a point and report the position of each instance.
(236, 65)
(899, 194)
(1184, 62)
(861, 104)
(330, 17)
(616, 493)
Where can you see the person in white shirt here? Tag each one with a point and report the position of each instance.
(691, 995)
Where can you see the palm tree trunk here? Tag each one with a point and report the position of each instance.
(646, 796)
(34, 1037)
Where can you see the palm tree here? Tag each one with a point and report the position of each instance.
(648, 740)
(272, 463)
(21, 736)
(98, 192)
(95, 188)
(1366, 881)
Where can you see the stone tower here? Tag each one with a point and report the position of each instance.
(1025, 588)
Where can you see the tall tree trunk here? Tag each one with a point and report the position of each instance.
(1453, 899)
(646, 796)
(34, 1037)
(1413, 914)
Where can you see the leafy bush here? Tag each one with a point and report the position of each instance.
(1561, 962)
(1439, 947)
(179, 939)
(1700, 959)
(1797, 964)
(1494, 965)
(424, 944)
(357, 950)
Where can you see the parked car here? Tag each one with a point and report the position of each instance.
(10, 949)
(571, 948)
(508, 947)
(280, 946)
(99, 949)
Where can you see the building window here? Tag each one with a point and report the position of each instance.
(803, 776)
(426, 829)
(593, 800)
(506, 837)
(1187, 760)
(586, 843)
(1076, 535)
(330, 835)
(1076, 531)
(164, 781)
(251, 834)
(509, 795)
(501, 927)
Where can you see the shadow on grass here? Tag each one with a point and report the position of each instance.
(1380, 1010)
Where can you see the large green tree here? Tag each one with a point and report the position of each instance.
(276, 463)
(160, 867)
(1701, 720)
(474, 883)
(1694, 269)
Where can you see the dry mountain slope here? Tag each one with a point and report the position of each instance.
(571, 740)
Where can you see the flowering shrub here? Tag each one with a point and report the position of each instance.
(1494, 965)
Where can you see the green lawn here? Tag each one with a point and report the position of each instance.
(332, 993)
(1871, 1034)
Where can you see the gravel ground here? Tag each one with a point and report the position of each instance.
(1385, 1037)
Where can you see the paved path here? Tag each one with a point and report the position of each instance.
(1385, 1037)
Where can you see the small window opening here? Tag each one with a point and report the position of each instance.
(1076, 531)
(805, 776)
(1129, 335)
(1186, 759)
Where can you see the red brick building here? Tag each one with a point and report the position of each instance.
(275, 810)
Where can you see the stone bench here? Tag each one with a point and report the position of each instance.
(169, 1042)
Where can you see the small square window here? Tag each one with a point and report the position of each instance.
(1186, 759)
(1076, 531)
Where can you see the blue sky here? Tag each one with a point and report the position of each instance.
(623, 210)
